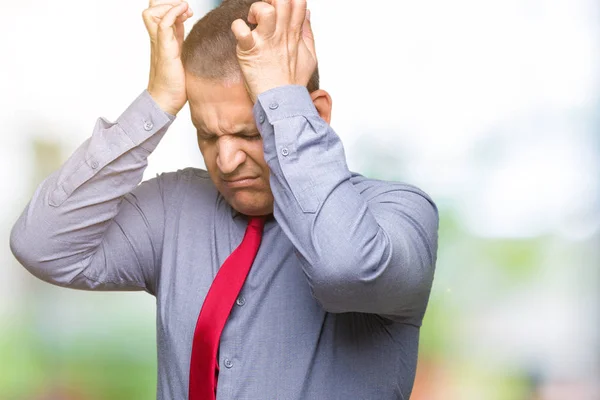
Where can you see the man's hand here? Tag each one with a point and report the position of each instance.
(164, 21)
(280, 51)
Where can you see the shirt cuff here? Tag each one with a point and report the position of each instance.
(141, 126)
(142, 119)
(305, 156)
(283, 102)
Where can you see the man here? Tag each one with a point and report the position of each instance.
(341, 265)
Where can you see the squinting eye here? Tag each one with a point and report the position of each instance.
(253, 137)
(207, 138)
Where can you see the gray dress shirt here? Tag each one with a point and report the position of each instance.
(332, 306)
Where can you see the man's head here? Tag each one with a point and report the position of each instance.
(221, 110)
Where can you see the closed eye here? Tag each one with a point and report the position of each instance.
(205, 137)
(252, 137)
(209, 137)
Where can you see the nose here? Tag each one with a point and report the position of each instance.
(229, 155)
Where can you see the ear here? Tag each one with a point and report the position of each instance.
(323, 103)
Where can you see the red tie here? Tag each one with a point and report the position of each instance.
(223, 292)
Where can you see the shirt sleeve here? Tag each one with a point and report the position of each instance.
(365, 246)
(89, 225)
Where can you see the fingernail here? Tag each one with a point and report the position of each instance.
(308, 14)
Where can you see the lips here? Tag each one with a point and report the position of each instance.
(240, 182)
(240, 178)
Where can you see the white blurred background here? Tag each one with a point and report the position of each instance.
(492, 107)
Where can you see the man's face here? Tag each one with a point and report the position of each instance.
(230, 143)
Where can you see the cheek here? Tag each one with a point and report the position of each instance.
(255, 151)
(209, 156)
(208, 152)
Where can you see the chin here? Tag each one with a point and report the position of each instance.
(252, 204)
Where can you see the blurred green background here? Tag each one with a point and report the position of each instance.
(491, 107)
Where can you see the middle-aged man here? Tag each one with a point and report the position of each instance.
(326, 290)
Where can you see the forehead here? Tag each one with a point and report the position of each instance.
(218, 105)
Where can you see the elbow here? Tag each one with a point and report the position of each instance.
(26, 250)
(389, 294)
(49, 266)
(340, 280)
(333, 289)
(23, 249)
(380, 279)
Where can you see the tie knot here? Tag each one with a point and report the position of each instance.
(257, 222)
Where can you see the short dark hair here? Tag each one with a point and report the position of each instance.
(209, 49)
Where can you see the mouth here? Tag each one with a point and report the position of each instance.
(240, 183)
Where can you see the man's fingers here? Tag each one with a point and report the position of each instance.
(156, 12)
(298, 14)
(243, 34)
(283, 10)
(263, 15)
(153, 15)
(179, 28)
(183, 17)
(166, 29)
(307, 35)
(154, 3)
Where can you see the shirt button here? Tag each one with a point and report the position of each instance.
(240, 301)
(228, 363)
(261, 118)
(94, 164)
(273, 106)
(148, 125)
(285, 151)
